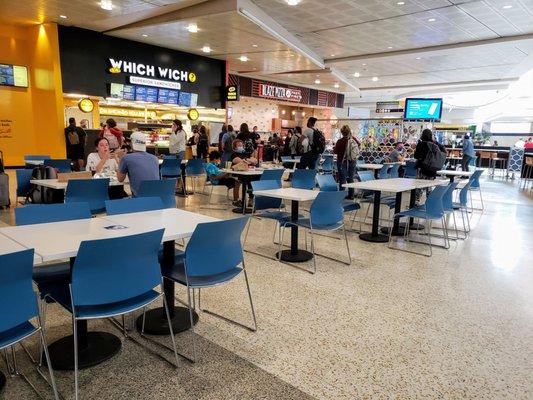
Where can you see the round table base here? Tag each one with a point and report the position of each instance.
(157, 324)
(300, 256)
(2, 380)
(379, 238)
(238, 210)
(101, 346)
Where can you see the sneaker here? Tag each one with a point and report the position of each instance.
(237, 203)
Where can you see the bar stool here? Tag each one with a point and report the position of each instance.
(497, 159)
(485, 155)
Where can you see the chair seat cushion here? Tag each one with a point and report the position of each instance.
(177, 274)
(16, 333)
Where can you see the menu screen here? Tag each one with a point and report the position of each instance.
(117, 91)
(151, 95)
(128, 92)
(194, 99)
(13, 75)
(140, 93)
(173, 96)
(185, 99)
(162, 96)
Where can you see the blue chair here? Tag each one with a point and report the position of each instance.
(198, 269)
(410, 169)
(475, 187)
(170, 167)
(163, 188)
(92, 191)
(18, 305)
(33, 157)
(447, 203)
(23, 183)
(327, 183)
(125, 284)
(384, 172)
(432, 210)
(195, 170)
(327, 165)
(462, 205)
(394, 171)
(274, 174)
(326, 214)
(304, 179)
(135, 204)
(61, 165)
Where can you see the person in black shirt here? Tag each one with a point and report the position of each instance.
(248, 138)
(421, 152)
(75, 140)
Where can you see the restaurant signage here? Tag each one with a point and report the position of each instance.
(384, 107)
(86, 105)
(232, 93)
(193, 114)
(279, 93)
(137, 80)
(128, 67)
(127, 112)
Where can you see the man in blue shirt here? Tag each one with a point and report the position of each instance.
(138, 166)
(217, 177)
(468, 152)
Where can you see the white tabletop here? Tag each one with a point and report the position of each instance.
(55, 184)
(67, 235)
(455, 173)
(8, 245)
(183, 162)
(370, 166)
(394, 185)
(289, 194)
(256, 171)
(34, 162)
(288, 159)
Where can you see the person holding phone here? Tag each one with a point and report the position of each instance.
(103, 161)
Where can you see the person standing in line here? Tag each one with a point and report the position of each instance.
(203, 143)
(294, 140)
(223, 131)
(309, 158)
(347, 151)
(256, 135)
(249, 140)
(529, 144)
(75, 138)
(227, 144)
(468, 152)
(177, 140)
(114, 135)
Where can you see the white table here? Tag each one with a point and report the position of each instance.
(35, 163)
(453, 173)
(370, 166)
(8, 245)
(55, 184)
(289, 159)
(393, 185)
(295, 196)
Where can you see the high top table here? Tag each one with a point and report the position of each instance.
(453, 173)
(393, 185)
(96, 347)
(295, 196)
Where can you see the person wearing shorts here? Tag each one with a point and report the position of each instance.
(217, 177)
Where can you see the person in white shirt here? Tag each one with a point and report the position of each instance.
(177, 140)
(520, 143)
(103, 161)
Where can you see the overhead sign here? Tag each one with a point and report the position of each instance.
(388, 107)
(86, 105)
(193, 114)
(153, 71)
(232, 93)
(155, 82)
(280, 93)
(127, 112)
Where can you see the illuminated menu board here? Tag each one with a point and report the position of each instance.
(13, 75)
(128, 92)
(153, 95)
(185, 99)
(194, 99)
(173, 96)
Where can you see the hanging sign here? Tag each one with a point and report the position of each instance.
(232, 93)
(150, 71)
(193, 114)
(86, 105)
(280, 93)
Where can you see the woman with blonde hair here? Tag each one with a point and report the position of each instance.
(347, 151)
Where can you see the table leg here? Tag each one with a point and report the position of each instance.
(184, 192)
(397, 230)
(156, 322)
(375, 236)
(452, 178)
(295, 254)
(412, 225)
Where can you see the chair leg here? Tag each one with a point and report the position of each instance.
(43, 323)
(428, 224)
(248, 229)
(76, 383)
(347, 247)
(313, 250)
(171, 330)
(192, 323)
(282, 231)
(50, 369)
(445, 233)
(250, 297)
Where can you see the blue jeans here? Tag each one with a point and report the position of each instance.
(346, 173)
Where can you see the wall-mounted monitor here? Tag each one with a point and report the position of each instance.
(423, 109)
(13, 75)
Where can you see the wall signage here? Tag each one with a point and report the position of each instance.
(128, 67)
(86, 105)
(279, 93)
(155, 82)
(127, 112)
(389, 107)
(193, 114)
(232, 93)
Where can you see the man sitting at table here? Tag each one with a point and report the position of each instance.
(138, 166)
(217, 177)
(396, 155)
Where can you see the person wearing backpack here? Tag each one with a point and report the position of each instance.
(75, 140)
(313, 143)
(429, 155)
(227, 144)
(347, 151)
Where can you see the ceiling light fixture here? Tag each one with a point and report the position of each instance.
(364, 64)
(254, 45)
(332, 55)
(144, 35)
(63, 16)
(292, 2)
(336, 86)
(418, 58)
(390, 47)
(431, 20)
(192, 28)
(206, 49)
(375, 79)
(106, 5)
(506, 7)
(401, 3)
(243, 58)
(356, 74)
(317, 81)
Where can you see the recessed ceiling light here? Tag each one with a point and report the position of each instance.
(206, 49)
(431, 20)
(364, 64)
(356, 74)
(254, 45)
(506, 7)
(375, 79)
(292, 2)
(332, 55)
(63, 16)
(390, 47)
(144, 35)
(243, 58)
(401, 3)
(317, 81)
(193, 28)
(106, 5)
(418, 58)
(336, 86)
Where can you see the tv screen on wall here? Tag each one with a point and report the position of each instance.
(423, 109)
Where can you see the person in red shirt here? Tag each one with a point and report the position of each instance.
(114, 135)
(529, 144)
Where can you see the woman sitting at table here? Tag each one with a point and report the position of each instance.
(103, 161)
(240, 156)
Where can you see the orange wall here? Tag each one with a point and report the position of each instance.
(35, 113)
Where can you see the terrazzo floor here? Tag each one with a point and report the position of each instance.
(391, 325)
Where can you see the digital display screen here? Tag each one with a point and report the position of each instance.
(173, 96)
(140, 93)
(194, 99)
(117, 91)
(128, 92)
(423, 109)
(151, 95)
(13, 75)
(162, 96)
(185, 99)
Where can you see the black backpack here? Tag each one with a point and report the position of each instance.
(435, 159)
(319, 142)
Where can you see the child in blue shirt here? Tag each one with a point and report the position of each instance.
(217, 177)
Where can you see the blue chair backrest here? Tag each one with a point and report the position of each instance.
(304, 179)
(227, 236)
(327, 165)
(264, 202)
(327, 183)
(434, 205)
(327, 208)
(195, 167)
(93, 191)
(474, 179)
(410, 169)
(33, 157)
(393, 173)
(135, 204)
(384, 172)
(23, 181)
(60, 165)
(272, 174)
(171, 167)
(164, 189)
(473, 161)
(45, 213)
(18, 302)
(365, 176)
(463, 194)
(447, 199)
(100, 279)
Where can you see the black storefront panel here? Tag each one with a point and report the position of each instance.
(88, 57)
